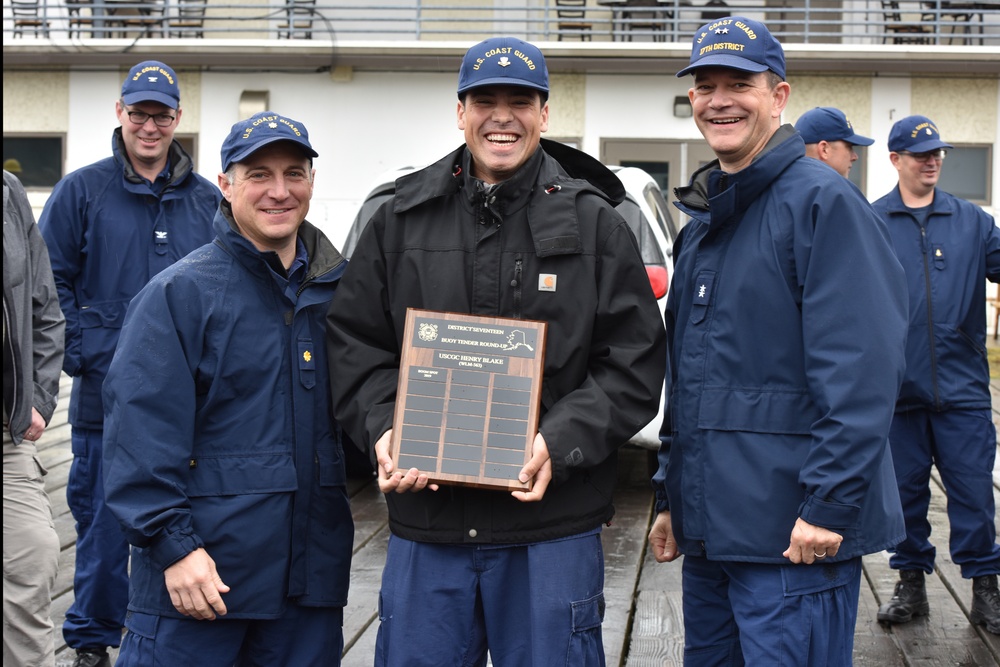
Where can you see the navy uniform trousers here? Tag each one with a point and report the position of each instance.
(962, 445)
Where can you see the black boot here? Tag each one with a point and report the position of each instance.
(92, 657)
(986, 603)
(908, 600)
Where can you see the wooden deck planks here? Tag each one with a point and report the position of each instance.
(657, 636)
(644, 620)
(624, 543)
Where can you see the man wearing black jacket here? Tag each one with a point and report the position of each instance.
(507, 226)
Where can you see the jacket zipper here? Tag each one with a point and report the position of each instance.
(925, 247)
(516, 284)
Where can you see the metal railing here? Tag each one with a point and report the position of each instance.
(862, 22)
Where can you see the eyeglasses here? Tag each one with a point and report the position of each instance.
(939, 154)
(140, 118)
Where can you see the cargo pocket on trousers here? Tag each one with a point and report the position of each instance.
(585, 643)
(139, 643)
(79, 487)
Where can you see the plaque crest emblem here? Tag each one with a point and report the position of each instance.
(428, 332)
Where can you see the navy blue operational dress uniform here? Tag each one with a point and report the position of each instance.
(222, 460)
(949, 248)
(110, 227)
(785, 321)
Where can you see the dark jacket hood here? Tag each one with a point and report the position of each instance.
(450, 174)
(783, 148)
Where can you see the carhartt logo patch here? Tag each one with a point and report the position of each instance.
(547, 282)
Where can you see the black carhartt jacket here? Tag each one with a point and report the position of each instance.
(443, 243)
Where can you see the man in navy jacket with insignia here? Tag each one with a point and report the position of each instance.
(110, 227)
(785, 325)
(949, 248)
(222, 459)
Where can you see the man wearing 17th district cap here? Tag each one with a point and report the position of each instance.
(949, 248)
(110, 227)
(785, 323)
(830, 138)
(507, 225)
(221, 459)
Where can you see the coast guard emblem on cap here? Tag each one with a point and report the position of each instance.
(928, 128)
(547, 282)
(503, 61)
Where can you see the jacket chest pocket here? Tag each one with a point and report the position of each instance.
(307, 363)
(702, 295)
(937, 255)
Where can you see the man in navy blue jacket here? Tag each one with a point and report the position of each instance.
(948, 248)
(221, 458)
(830, 138)
(110, 227)
(785, 322)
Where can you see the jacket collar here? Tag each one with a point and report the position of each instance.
(179, 161)
(549, 184)
(731, 194)
(942, 203)
(325, 261)
(451, 173)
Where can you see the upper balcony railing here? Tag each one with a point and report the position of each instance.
(862, 22)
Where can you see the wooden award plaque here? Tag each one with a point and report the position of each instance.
(468, 398)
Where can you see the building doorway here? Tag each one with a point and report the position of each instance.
(669, 161)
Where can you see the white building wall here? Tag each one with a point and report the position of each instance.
(92, 97)
(360, 128)
(890, 102)
(366, 123)
(630, 107)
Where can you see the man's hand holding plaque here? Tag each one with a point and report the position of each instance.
(390, 480)
(536, 473)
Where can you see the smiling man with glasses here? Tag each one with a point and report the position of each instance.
(110, 227)
(948, 248)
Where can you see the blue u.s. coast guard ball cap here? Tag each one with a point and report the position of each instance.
(250, 135)
(828, 124)
(916, 134)
(738, 43)
(503, 61)
(151, 81)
